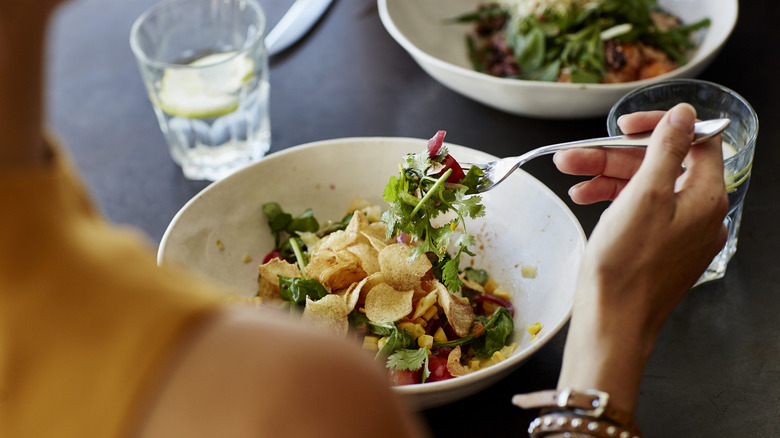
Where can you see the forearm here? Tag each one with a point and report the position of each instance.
(605, 353)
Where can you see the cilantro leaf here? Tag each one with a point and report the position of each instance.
(407, 359)
(411, 360)
(469, 206)
(449, 273)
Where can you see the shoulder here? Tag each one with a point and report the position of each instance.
(264, 375)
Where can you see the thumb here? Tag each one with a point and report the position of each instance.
(669, 144)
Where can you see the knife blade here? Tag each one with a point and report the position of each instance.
(294, 24)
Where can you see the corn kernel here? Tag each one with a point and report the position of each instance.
(371, 343)
(424, 304)
(497, 357)
(381, 342)
(528, 271)
(484, 363)
(416, 330)
(534, 329)
(507, 350)
(490, 286)
(440, 336)
(421, 321)
(474, 364)
(425, 341)
(502, 293)
(432, 311)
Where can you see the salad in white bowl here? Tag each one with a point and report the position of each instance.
(425, 29)
(528, 242)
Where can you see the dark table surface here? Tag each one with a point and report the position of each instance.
(716, 369)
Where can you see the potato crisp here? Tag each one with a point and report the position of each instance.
(329, 313)
(401, 272)
(385, 304)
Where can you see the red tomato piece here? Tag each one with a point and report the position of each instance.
(437, 365)
(457, 174)
(272, 255)
(403, 377)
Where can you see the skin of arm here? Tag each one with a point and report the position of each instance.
(244, 376)
(646, 252)
(239, 375)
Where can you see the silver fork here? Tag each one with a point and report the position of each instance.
(497, 171)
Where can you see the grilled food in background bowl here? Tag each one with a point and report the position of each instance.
(424, 28)
(525, 225)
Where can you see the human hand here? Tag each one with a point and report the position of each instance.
(650, 246)
(665, 225)
(612, 168)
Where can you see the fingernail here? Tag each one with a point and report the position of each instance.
(574, 189)
(682, 117)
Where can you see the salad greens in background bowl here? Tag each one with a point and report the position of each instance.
(436, 34)
(528, 240)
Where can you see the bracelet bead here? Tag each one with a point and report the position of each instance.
(569, 424)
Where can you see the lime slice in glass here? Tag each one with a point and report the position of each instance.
(206, 88)
(733, 180)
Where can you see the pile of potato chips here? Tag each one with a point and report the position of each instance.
(364, 271)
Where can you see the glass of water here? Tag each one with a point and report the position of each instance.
(205, 67)
(739, 141)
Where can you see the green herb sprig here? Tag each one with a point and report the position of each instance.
(417, 196)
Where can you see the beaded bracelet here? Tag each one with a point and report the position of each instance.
(577, 413)
(571, 424)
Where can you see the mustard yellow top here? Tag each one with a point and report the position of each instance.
(87, 319)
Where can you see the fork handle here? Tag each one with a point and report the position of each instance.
(617, 141)
(641, 139)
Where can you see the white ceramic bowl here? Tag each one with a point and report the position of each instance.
(526, 224)
(440, 49)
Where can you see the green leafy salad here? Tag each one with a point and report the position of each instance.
(390, 280)
(580, 41)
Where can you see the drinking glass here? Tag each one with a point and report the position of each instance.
(739, 141)
(205, 67)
